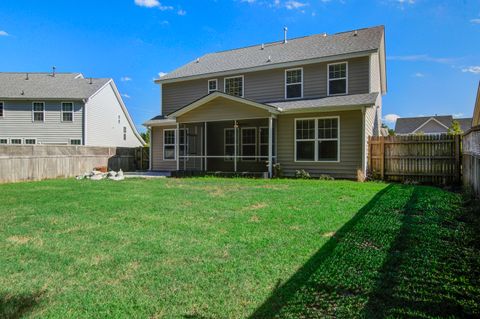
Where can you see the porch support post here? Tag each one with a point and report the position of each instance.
(235, 146)
(177, 147)
(270, 147)
(205, 146)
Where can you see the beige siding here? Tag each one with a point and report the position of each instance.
(158, 164)
(350, 145)
(268, 86)
(222, 109)
(375, 85)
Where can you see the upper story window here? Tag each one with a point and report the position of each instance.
(67, 112)
(1, 109)
(212, 85)
(294, 83)
(337, 78)
(234, 86)
(38, 109)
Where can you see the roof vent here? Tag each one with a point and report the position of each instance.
(198, 60)
(53, 71)
(22, 93)
(285, 31)
(91, 81)
(263, 46)
(269, 58)
(26, 77)
(355, 33)
(325, 34)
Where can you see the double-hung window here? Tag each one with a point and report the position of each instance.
(294, 83)
(212, 85)
(229, 143)
(317, 140)
(38, 110)
(67, 112)
(75, 141)
(337, 78)
(169, 144)
(3, 141)
(30, 141)
(234, 86)
(1, 109)
(249, 143)
(16, 141)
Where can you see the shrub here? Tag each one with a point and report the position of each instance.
(302, 174)
(325, 177)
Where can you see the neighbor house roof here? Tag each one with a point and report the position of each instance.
(476, 111)
(47, 86)
(409, 125)
(298, 49)
(366, 99)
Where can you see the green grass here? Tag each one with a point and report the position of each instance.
(235, 248)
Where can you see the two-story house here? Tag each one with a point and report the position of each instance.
(63, 108)
(306, 103)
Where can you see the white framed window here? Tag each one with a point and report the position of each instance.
(1, 109)
(212, 85)
(75, 141)
(249, 143)
(294, 83)
(229, 143)
(16, 141)
(38, 111)
(337, 78)
(124, 133)
(3, 141)
(317, 139)
(169, 144)
(234, 85)
(67, 112)
(30, 141)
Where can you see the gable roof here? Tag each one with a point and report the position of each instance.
(476, 111)
(46, 86)
(298, 49)
(410, 125)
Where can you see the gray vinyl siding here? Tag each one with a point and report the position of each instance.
(269, 86)
(156, 141)
(17, 122)
(350, 145)
(432, 127)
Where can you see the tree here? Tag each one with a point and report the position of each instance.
(455, 128)
(391, 132)
(146, 136)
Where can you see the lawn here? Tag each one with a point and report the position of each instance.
(235, 248)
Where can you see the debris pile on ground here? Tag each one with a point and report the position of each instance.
(96, 175)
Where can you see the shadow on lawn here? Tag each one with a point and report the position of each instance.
(17, 306)
(393, 258)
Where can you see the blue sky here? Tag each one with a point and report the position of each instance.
(433, 47)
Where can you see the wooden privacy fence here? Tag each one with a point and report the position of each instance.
(142, 157)
(433, 159)
(471, 160)
(37, 162)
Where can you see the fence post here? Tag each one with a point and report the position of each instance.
(458, 171)
(382, 157)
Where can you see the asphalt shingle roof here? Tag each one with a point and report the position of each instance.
(407, 125)
(331, 101)
(298, 49)
(46, 86)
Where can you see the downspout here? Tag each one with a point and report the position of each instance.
(85, 101)
(364, 155)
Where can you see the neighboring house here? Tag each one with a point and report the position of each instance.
(63, 108)
(429, 125)
(307, 103)
(476, 111)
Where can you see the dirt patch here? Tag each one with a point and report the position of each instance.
(256, 206)
(329, 234)
(19, 240)
(255, 219)
(294, 227)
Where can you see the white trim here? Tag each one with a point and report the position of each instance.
(15, 138)
(85, 122)
(61, 112)
(208, 85)
(33, 112)
(74, 139)
(425, 123)
(286, 85)
(270, 66)
(174, 144)
(150, 160)
(28, 138)
(231, 119)
(248, 144)
(163, 122)
(345, 78)
(316, 139)
(234, 77)
(3, 109)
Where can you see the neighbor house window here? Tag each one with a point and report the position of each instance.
(169, 144)
(229, 143)
(249, 143)
(1, 109)
(337, 78)
(212, 86)
(30, 141)
(263, 143)
(67, 112)
(38, 111)
(16, 141)
(293, 83)
(75, 142)
(317, 139)
(234, 86)
(3, 141)
(124, 133)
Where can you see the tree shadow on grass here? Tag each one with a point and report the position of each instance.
(17, 306)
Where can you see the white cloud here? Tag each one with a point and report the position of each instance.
(160, 74)
(152, 4)
(475, 21)
(406, 1)
(125, 78)
(419, 58)
(290, 5)
(419, 75)
(391, 118)
(475, 69)
(3, 33)
(248, 1)
(181, 12)
(457, 115)
(126, 96)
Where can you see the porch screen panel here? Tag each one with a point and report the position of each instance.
(249, 144)
(229, 144)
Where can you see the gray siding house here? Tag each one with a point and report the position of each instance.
(306, 103)
(63, 108)
(429, 125)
